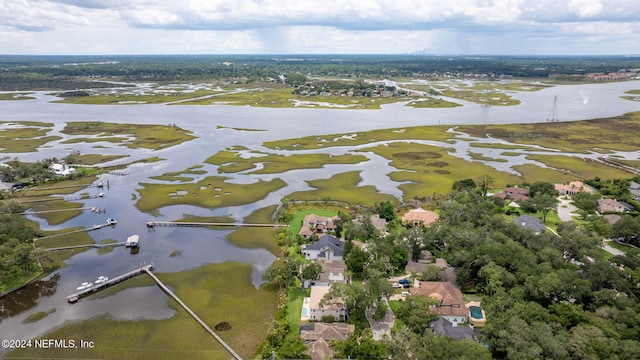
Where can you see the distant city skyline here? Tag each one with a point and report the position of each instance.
(482, 27)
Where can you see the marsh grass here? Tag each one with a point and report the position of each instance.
(53, 260)
(211, 192)
(257, 237)
(342, 187)
(57, 217)
(37, 316)
(76, 238)
(16, 96)
(435, 133)
(106, 249)
(580, 168)
(430, 169)
(493, 98)
(620, 133)
(215, 292)
(432, 102)
(129, 99)
(62, 187)
(133, 135)
(476, 156)
(273, 164)
(27, 138)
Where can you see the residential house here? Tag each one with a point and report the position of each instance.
(333, 272)
(328, 247)
(317, 338)
(333, 307)
(613, 206)
(442, 326)
(513, 193)
(317, 224)
(530, 222)
(420, 216)
(573, 188)
(62, 169)
(451, 303)
(379, 223)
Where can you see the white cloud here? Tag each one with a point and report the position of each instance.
(586, 8)
(296, 26)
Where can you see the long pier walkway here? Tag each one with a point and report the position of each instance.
(85, 246)
(97, 287)
(153, 223)
(94, 227)
(202, 323)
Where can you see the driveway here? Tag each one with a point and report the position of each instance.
(381, 327)
(611, 249)
(565, 209)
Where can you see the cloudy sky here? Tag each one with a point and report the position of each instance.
(511, 27)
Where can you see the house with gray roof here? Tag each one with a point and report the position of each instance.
(442, 326)
(530, 222)
(328, 247)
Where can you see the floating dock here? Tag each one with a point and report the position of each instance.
(97, 287)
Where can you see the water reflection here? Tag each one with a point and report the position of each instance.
(28, 297)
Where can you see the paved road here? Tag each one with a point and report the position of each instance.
(565, 209)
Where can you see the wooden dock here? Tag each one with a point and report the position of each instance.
(97, 287)
(153, 223)
(94, 227)
(193, 314)
(97, 246)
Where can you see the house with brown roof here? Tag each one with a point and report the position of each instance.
(420, 216)
(317, 224)
(573, 188)
(513, 193)
(613, 206)
(318, 336)
(451, 304)
(335, 307)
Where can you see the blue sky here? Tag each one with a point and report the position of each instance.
(504, 27)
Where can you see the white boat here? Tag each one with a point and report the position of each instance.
(111, 221)
(85, 285)
(101, 279)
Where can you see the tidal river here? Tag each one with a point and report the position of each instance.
(214, 127)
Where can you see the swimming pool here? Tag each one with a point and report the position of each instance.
(305, 311)
(476, 312)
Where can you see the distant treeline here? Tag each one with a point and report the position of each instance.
(18, 72)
